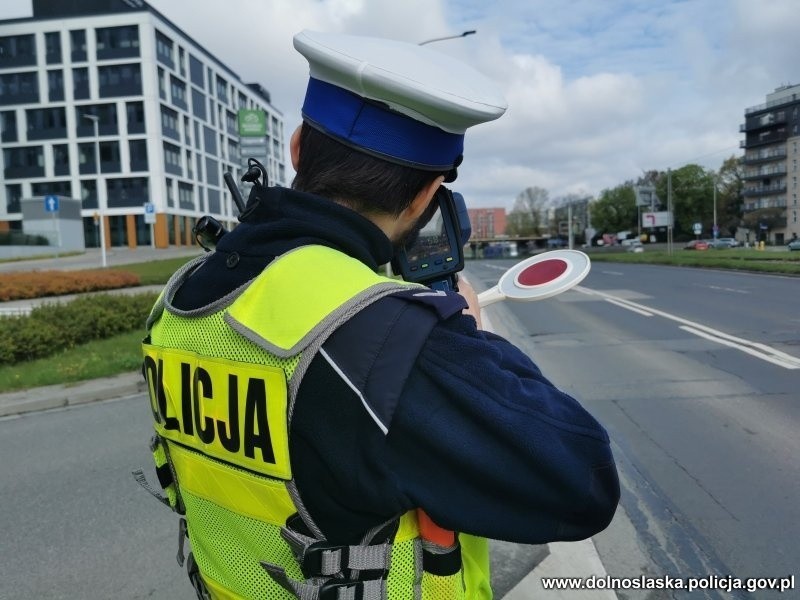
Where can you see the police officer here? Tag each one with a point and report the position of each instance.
(326, 432)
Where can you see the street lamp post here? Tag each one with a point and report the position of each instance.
(96, 121)
(449, 37)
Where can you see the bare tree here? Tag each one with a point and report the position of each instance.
(529, 213)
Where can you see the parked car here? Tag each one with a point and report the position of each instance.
(634, 245)
(696, 245)
(725, 242)
(794, 244)
(556, 243)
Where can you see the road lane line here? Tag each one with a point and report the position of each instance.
(644, 313)
(751, 351)
(755, 348)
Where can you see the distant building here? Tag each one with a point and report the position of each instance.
(487, 222)
(171, 119)
(772, 152)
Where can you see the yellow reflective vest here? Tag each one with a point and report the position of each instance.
(222, 381)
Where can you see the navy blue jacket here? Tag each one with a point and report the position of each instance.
(449, 418)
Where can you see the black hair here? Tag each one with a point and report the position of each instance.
(364, 183)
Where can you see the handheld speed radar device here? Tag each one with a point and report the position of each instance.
(435, 253)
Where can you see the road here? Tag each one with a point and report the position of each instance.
(695, 373)
(703, 426)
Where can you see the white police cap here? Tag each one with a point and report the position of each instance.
(402, 102)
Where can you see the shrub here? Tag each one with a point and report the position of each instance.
(37, 284)
(51, 328)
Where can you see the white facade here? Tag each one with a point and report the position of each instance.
(188, 148)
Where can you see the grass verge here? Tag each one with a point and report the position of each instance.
(100, 358)
(786, 263)
(156, 272)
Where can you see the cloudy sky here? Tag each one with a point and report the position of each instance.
(598, 90)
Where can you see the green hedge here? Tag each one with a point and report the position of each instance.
(51, 328)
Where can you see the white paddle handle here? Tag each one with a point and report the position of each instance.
(490, 296)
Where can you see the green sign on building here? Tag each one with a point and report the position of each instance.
(252, 123)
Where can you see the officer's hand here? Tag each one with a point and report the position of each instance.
(473, 308)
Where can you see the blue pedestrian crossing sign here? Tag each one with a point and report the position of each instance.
(51, 204)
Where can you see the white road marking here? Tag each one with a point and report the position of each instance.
(757, 349)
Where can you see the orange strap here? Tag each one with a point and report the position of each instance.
(431, 532)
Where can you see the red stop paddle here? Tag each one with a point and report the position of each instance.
(539, 277)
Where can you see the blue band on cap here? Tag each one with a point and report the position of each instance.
(378, 130)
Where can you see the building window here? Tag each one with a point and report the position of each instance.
(120, 80)
(196, 72)
(52, 47)
(162, 85)
(212, 171)
(61, 159)
(198, 104)
(164, 50)
(19, 88)
(107, 125)
(230, 123)
(181, 62)
(46, 123)
(170, 195)
(212, 111)
(13, 197)
(55, 85)
(169, 123)
(23, 162)
(199, 167)
(80, 83)
(187, 131)
(89, 193)
(178, 89)
(135, 114)
(77, 41)
(172, 159)
(109, 157)
(197, 135)
(117, 42)
(214, 205)
(126, 192)
(86, 158)
(210, 140)
(8, 125)
(185, 196)
(222, 89)
(137, 150)
(17, 51)
(189, 165)
(56, 188)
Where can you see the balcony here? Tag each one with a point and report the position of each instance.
(765, 190)
(763, 122)
(765, 172)
(762, 156)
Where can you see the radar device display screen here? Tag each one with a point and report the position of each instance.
(435, 254)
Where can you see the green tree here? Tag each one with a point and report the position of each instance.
(692, 198)
(729, 196)
(615, 209)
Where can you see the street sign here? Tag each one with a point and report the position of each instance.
(149, 213)
(697, 228)
(656, 219)
(51, 204)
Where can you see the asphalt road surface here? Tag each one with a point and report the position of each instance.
(696, 375)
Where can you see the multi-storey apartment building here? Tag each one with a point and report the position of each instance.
(770, 166)
(117, 80)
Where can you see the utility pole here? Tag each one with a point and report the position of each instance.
(669, 211)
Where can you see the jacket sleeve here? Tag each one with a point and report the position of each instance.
(486, 445)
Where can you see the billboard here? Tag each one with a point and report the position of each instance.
(656, 219)
(252, 123)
